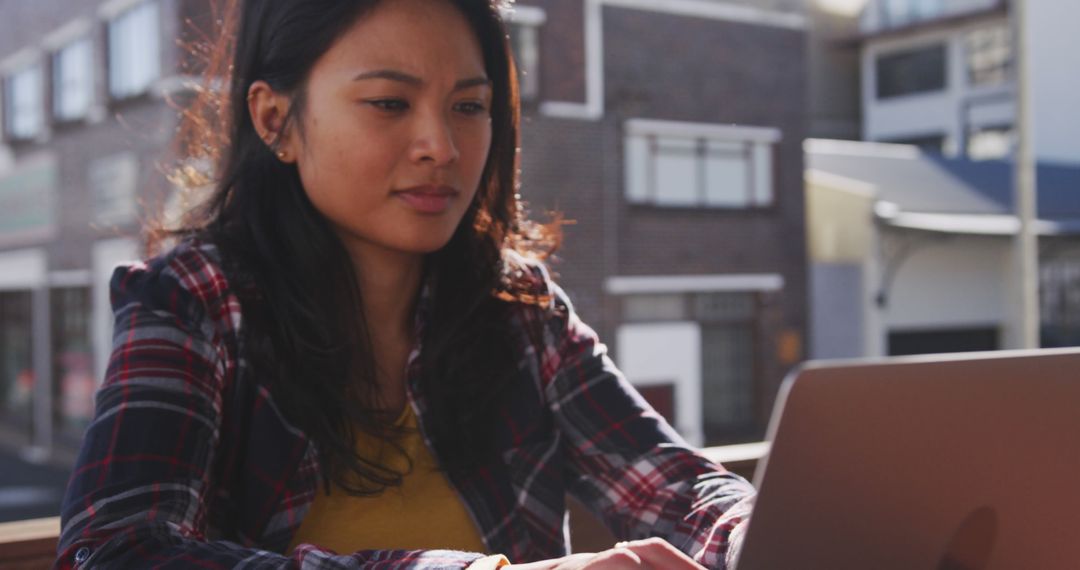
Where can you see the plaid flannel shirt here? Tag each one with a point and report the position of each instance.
(189, 463)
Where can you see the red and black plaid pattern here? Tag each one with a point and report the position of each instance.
(189, 463)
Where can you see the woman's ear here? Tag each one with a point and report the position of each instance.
(269, 110)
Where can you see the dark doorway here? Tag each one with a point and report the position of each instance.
(938, 341)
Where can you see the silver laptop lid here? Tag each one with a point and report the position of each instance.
(945, 462)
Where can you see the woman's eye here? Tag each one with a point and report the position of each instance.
(471, 108)
(391, 105)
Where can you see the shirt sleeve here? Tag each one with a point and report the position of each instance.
(138, 496)
(627, 464)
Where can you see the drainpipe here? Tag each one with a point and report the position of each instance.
(1025, 245)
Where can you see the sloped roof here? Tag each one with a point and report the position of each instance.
(922, 182)
(1058, 193)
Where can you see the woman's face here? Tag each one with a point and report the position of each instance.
(396, 128)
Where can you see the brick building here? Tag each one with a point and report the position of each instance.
(670, 132)
(86, 139)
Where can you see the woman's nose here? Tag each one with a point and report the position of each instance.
(434, 142)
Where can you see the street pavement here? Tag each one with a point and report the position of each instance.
(29, 490)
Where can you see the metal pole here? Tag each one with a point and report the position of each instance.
(43, 378)
(1026, 253)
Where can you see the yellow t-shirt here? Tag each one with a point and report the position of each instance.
(425, 512)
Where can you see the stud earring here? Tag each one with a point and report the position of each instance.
(281, 154)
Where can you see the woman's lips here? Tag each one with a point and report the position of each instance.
(428, 199)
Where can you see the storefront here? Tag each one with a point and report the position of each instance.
(24, 404)
(73, 360)
(694, 346)
(69, 310)
(16, 360)
(55, 316)
(46, 357)
(70, 396)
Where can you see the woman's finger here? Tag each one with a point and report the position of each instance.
(619, 559)
(659, 553)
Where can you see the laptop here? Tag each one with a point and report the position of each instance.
(944, 462)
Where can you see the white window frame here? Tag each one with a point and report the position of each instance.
(705, 149)
(134, 50)
(24, 102)
(73, 95)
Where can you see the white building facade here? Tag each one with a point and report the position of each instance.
(910, 252)
(940, 74)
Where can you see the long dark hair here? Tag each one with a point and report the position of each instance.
(304, 324)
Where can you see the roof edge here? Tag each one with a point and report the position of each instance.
(930, 24)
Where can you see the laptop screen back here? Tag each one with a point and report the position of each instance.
(950, 462)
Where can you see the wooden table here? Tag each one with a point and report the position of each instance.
(31, 544)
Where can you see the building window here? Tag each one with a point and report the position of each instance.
(73, 80)
(525, 23)
(24, 103)
(73, 387)
(727, 381)
(932, 143)
(990, 143)
(989, 55)
(902, 12)
(911, 72)
(525, 39)
(691, 165)
(727, 367)
(1059, 300)
(134, 50)
(654, 308)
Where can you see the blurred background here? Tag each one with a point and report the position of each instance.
(753, 183)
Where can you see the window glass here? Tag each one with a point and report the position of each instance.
(902, 12)
(723, 306)
(637, 169)
(134, 51)
(24, 102)
(727, 363)
(911, 72)
(989, 55)
(698, 171)
(73, 80)
(927, 8)
(990, 143)
(73, 386)
(727, 380)
(1059, 300)
(676, 162)
(728, 174)
(932, 143)
(655, 307)
(763, 174)
(526, 44)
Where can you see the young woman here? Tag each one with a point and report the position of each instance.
(354, 357)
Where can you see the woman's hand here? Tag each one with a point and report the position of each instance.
(648, 554)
